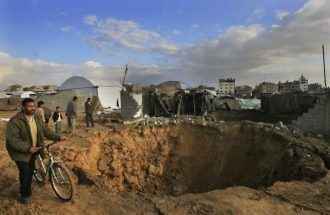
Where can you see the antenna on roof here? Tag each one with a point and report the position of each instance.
(122, 89)
(325, 79)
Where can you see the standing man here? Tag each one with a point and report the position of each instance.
(47, 114)
(89, 112)
(24, 135)
(71, 114)
(40, 110)
(57, 117)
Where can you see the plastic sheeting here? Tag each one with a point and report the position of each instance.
(108, 91)
(284, 104)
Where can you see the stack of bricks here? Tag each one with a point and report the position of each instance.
(313, 121)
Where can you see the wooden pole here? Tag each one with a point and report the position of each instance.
(325, 79)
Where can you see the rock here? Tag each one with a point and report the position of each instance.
(310, 135)
(319, 136)
(261, 124)
(268, 125)
(268, 129)
(280, 124)
(286, 130)
(276, 129)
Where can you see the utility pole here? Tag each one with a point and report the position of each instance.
(325, 79)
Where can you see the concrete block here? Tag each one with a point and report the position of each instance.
(319, 116)
(302, 119)
(319, 106)
(312, 120)
(308, 115)
(312, 111)
(296, 123)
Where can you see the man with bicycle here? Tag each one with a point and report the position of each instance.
(24, 136)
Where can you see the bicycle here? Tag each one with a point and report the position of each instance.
(60, 177)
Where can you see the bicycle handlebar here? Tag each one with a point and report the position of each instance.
(47, 147)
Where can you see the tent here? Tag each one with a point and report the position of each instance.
(23, 94)
(108, 91)
(4, 95)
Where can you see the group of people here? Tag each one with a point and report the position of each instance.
(26, 131)
(71, 114)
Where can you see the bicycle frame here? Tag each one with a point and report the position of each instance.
(50, 162)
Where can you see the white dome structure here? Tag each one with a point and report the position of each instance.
(108, 91)
(23, 94)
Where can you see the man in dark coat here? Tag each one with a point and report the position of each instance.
(71, 114)
(89, 112)
(24, 136)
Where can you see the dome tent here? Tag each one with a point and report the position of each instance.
(23, 94)
(108, 91)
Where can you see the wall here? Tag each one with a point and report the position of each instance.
(131, 105)
(317, 119)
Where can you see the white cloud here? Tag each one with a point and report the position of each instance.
(176, 32)
(66, 29)
(112, 34)
(195, 26)
(246, 52)
(63, 13)
(92, 64)
(282, 14)
(257, 14)
(90, 19)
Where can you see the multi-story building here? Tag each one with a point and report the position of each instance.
(226, 86)
(287, 86)
(243, 91)
(15, 87)
(303, 84)
(268, 88)
(50, 88)
(315, 88)
(37, 88)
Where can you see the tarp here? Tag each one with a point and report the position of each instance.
(108, 91)
(290, 103)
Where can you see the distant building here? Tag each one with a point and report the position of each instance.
(294, 86)
(15, 87)
(226, 86)
(287, 86)
(133, 88)
(50, 88)
(303, 83)
(243, 91)
(315, 88)
(268, 88)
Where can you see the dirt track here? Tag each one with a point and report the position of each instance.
(180, 169)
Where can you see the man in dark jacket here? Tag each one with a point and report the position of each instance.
(24, 135)
(71, 114)
(89, 112)
(57, 117)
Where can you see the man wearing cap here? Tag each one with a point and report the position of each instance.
(71, 114)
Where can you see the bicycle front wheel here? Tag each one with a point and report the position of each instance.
(62, 182)
(38, 170)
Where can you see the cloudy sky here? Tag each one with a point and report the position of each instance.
(195, 41)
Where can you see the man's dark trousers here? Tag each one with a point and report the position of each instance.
(25, 176)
